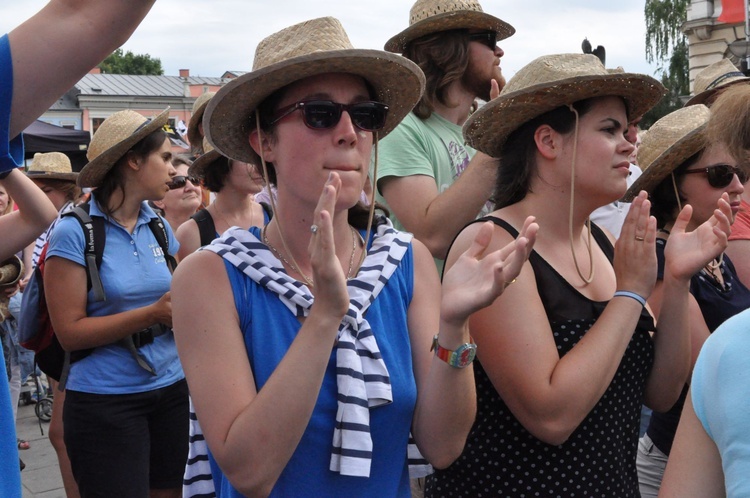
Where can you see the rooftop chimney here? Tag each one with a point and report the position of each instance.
(184, 73)
(95, 70)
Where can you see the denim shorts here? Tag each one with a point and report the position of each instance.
(125, 444)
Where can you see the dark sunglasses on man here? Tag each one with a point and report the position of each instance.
(720, 175)
(324, 114)
(181, 180)
(488, 38)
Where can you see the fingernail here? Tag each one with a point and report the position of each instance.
(330, 177)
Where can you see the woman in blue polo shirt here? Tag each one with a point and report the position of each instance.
(126, 410)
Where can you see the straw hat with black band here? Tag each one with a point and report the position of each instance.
(713, 78)
(549, 82)
(195, 137)
(51, 166)
(113, 139)
(669, 142)
(314, 47)
(433, 16)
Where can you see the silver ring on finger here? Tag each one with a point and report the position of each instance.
(639, 238)
(314, 229)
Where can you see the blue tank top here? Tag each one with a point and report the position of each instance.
(269, 329)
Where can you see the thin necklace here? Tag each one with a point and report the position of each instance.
(295, 267)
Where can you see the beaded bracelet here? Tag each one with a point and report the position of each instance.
(631, 295)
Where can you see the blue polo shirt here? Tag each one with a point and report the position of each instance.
(134, 274)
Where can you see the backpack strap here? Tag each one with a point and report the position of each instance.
(159, 230)
(206, 226)
(94, 236)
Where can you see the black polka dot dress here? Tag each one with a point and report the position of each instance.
(502, 458)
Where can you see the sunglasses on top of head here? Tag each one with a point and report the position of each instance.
(488, 38)
(720, 175)
(181, 180)
(324, 114)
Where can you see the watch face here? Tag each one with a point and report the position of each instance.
(465, 354)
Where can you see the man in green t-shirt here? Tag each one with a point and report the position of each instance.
(431, 182)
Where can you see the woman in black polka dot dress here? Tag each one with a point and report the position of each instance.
(566, 356)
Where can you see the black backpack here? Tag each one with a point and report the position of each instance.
(34, 325)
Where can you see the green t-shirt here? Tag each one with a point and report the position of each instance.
(433, 147)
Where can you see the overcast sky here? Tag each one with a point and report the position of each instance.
(212, 36)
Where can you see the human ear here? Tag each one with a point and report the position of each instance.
(548, 141)
(261, 144)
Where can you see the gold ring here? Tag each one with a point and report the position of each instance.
(639, 239)
(508, 283)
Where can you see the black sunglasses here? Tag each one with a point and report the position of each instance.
(488, 38)
(720, 175)
(323, 114)
(181, 181)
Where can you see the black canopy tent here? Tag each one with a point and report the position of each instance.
(45, 137)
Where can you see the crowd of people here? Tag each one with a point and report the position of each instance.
(412, 277)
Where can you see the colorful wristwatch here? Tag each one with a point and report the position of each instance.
(460, 358)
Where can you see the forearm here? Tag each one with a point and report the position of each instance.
(274, 421)
(34, 215)
(672, 346)
(90, 332)
(578, 380)
(437, 220)
(60, 44)
(446, 406)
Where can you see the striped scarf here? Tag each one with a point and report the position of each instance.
(362, 376)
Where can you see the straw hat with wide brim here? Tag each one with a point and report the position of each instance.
(713, 78)
(209, 156)
(310, 48)
(199, 107)
(433, 16)
(115, 137)
(669, 142)
(549, 82)
(51, 166)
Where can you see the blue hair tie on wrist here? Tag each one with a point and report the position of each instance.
(632, 295)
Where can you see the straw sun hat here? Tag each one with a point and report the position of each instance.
(199, 107)
(307, 49)
(209, 156)
(51, 166)
(114, 138)
(713, 78)
(549, 82)
(433, 16)
(669, 143)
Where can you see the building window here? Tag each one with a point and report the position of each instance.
(95, 122)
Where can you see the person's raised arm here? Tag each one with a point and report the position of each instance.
(35, 213)
(56, 47)
(685, 254)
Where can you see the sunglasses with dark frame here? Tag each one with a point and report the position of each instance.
(488, 38)
(324, 114)
(181, 180)
(720, 175)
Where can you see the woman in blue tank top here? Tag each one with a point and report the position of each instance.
(307, 348)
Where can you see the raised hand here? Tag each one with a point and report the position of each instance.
(480, 275)
(329, 278)
(687, 252)
(635, 251)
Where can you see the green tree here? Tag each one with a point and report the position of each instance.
(120, 62)
(666, 44)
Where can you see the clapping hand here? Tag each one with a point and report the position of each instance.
(480, 275)
(687, 252)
